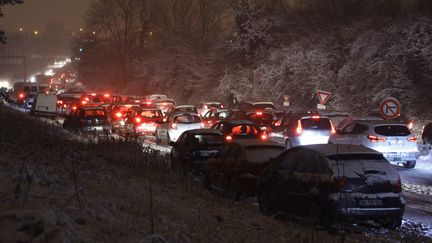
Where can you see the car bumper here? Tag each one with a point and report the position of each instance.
(397, 157)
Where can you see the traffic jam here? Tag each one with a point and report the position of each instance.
(338, 165)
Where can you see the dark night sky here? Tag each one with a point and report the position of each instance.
(33, 14)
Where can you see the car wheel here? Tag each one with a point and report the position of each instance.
(288, 144)
(265, 204)
(410, 164)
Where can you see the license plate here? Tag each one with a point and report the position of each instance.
(370, 202)
(396, 143)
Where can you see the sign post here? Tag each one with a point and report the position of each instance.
(390, 108)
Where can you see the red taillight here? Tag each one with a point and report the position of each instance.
(316, 117)
(174, 125)
(74, 107)
(375, 139)
(399, 185)
(259, 113)
(264, 136)
(412, 139)
(84, 102)
(59, 102)
(21, 95)
(229, 138)
(148, 102)
(65, 106)
(137, 119)
(339, 183)
(106, 95)
(93, 94)
(118, 114)
(299, 128)
(222, 106)
(86, 99)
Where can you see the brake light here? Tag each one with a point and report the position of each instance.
(148, 102)
(86, 99)
(229, 138)
(222, 106)
(399, 185)
(339, 183)
(174, 125)
(128, 106)
(65, 106)
(138, 120)
(60, 102)
(412, 139)
(93, 94)
(84, 102)
(164, 104)
(316, 117)
(21, 95)
(118, 114)
(74, 107)
(202, 125)
(333, 130)
(264, 136)
(299, 128)
(106, 95)
(259, 113)
(375, 139)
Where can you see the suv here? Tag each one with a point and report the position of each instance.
(295, 130)
(393, 139)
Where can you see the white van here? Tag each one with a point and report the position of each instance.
(44, 105)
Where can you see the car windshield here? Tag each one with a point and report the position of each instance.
(214, 105)
(262, 154)
(392, 130)
(90, 113)
(187, 119)
(151, 113)
(316, 123)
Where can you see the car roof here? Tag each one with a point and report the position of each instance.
(205, 131)
(379, 122)
(256, 142)
(334, 149)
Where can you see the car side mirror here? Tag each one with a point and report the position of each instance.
(171, 143)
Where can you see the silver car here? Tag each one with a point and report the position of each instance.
(393, 139)
(176, 124)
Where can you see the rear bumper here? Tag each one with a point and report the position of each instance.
(397, 157)
(371, 213)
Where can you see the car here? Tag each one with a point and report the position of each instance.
(394, 139)
(154, 98)
(88, 120)
(67, 102)
(194, 147)
(203, 107)
(427, 134)
(142, 121)
(165, 105)
(264, 105)
(235, 130)
(44, 105)
(116, 113)
(175, 125)
(184, 108)
(326, 183)
(214, 115)
(263, 118)
(295, 129)
(239, 166)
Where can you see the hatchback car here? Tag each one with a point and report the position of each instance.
(393, 139)
(117, 113)
(194, 147)
(203, 107)
(142, 121)
(176, 124)
(89, 120)
(240, 165)
(331, 182)
(235, 130)
(301, 129)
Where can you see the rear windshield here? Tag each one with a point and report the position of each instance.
(213, 105)
(187, 119)
(186, 109)
(316, 124)
(151, 114)
(244, 130)
(209, 139)
(261, 118)
(392, 130)
(90, 113)
(262, 154)
(264, 106)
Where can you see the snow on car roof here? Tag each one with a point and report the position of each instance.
(333, 149)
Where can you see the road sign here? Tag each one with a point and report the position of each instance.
(390, 108)
(321, 107)
(323, 96)
(286, 102)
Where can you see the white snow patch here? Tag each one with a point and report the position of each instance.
(416, 188)
(424, 162)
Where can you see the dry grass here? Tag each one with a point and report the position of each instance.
(114, 191)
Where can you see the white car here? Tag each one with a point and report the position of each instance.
(204, 107)
(176, 124)
(393, 139)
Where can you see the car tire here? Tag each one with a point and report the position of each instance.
(410, 164)
(288, 144)
(265, 204)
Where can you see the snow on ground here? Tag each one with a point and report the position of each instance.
(424, 162)
(417, 188)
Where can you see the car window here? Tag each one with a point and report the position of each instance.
(244, 130)
(209, 139)
(90, 113)
(222, 114)
(360, 128)
(151, 114)
(316, 123)
(187, 119)
(262, 154)
(289, 160)
(348, 129)
(392, 130)
(310, 162)
(213, 105)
